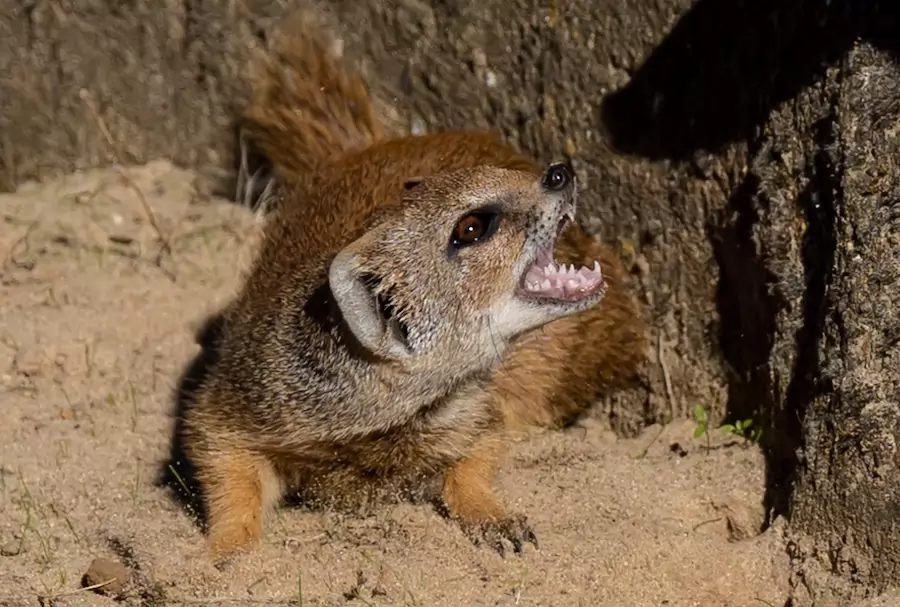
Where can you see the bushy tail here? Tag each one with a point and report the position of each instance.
(305, 107)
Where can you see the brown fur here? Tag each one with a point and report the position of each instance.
(292, 404)
(333, 119)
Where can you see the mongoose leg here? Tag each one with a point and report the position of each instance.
(469, 495)
(240, 487)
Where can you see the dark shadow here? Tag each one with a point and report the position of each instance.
(712, 82)
(178, 473)
(727, 63)
(746, 304)
(818, 201)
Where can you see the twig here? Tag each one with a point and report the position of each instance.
(712, 520)
(305, 540)
(151, 217)
(666, 377)
(646, 450)
(86, 97)
(78, 590)
(13, 250)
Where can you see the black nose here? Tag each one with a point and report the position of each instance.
(558, 177)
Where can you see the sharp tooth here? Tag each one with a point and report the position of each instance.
(597, 267)
(549, 269)
(545, 285)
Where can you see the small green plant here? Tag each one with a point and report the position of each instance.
(743, 430)
(702, 428)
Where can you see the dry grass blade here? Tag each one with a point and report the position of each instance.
(48, 599)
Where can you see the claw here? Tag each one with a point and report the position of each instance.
(517, 545)
(532, 538)
(514, 530)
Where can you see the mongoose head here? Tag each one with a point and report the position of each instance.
(462, 265)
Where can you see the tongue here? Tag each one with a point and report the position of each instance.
(546, 278)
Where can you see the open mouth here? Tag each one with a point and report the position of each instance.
(547, 279)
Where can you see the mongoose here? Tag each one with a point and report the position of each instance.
(409, 305)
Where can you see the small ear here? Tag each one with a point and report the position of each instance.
(369, 316)
(412, 182)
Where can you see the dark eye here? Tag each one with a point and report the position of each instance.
(558, 176)
(475, 227)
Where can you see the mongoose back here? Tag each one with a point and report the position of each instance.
(410, 303)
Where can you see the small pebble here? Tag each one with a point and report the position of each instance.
(103, 570)
(743, 522)
(11, 548)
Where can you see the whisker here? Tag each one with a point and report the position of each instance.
(262, 202)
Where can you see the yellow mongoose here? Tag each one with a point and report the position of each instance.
(410, 304)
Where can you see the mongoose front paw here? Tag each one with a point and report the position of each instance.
(514, 530)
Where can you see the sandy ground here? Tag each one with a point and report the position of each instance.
(96, 326)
